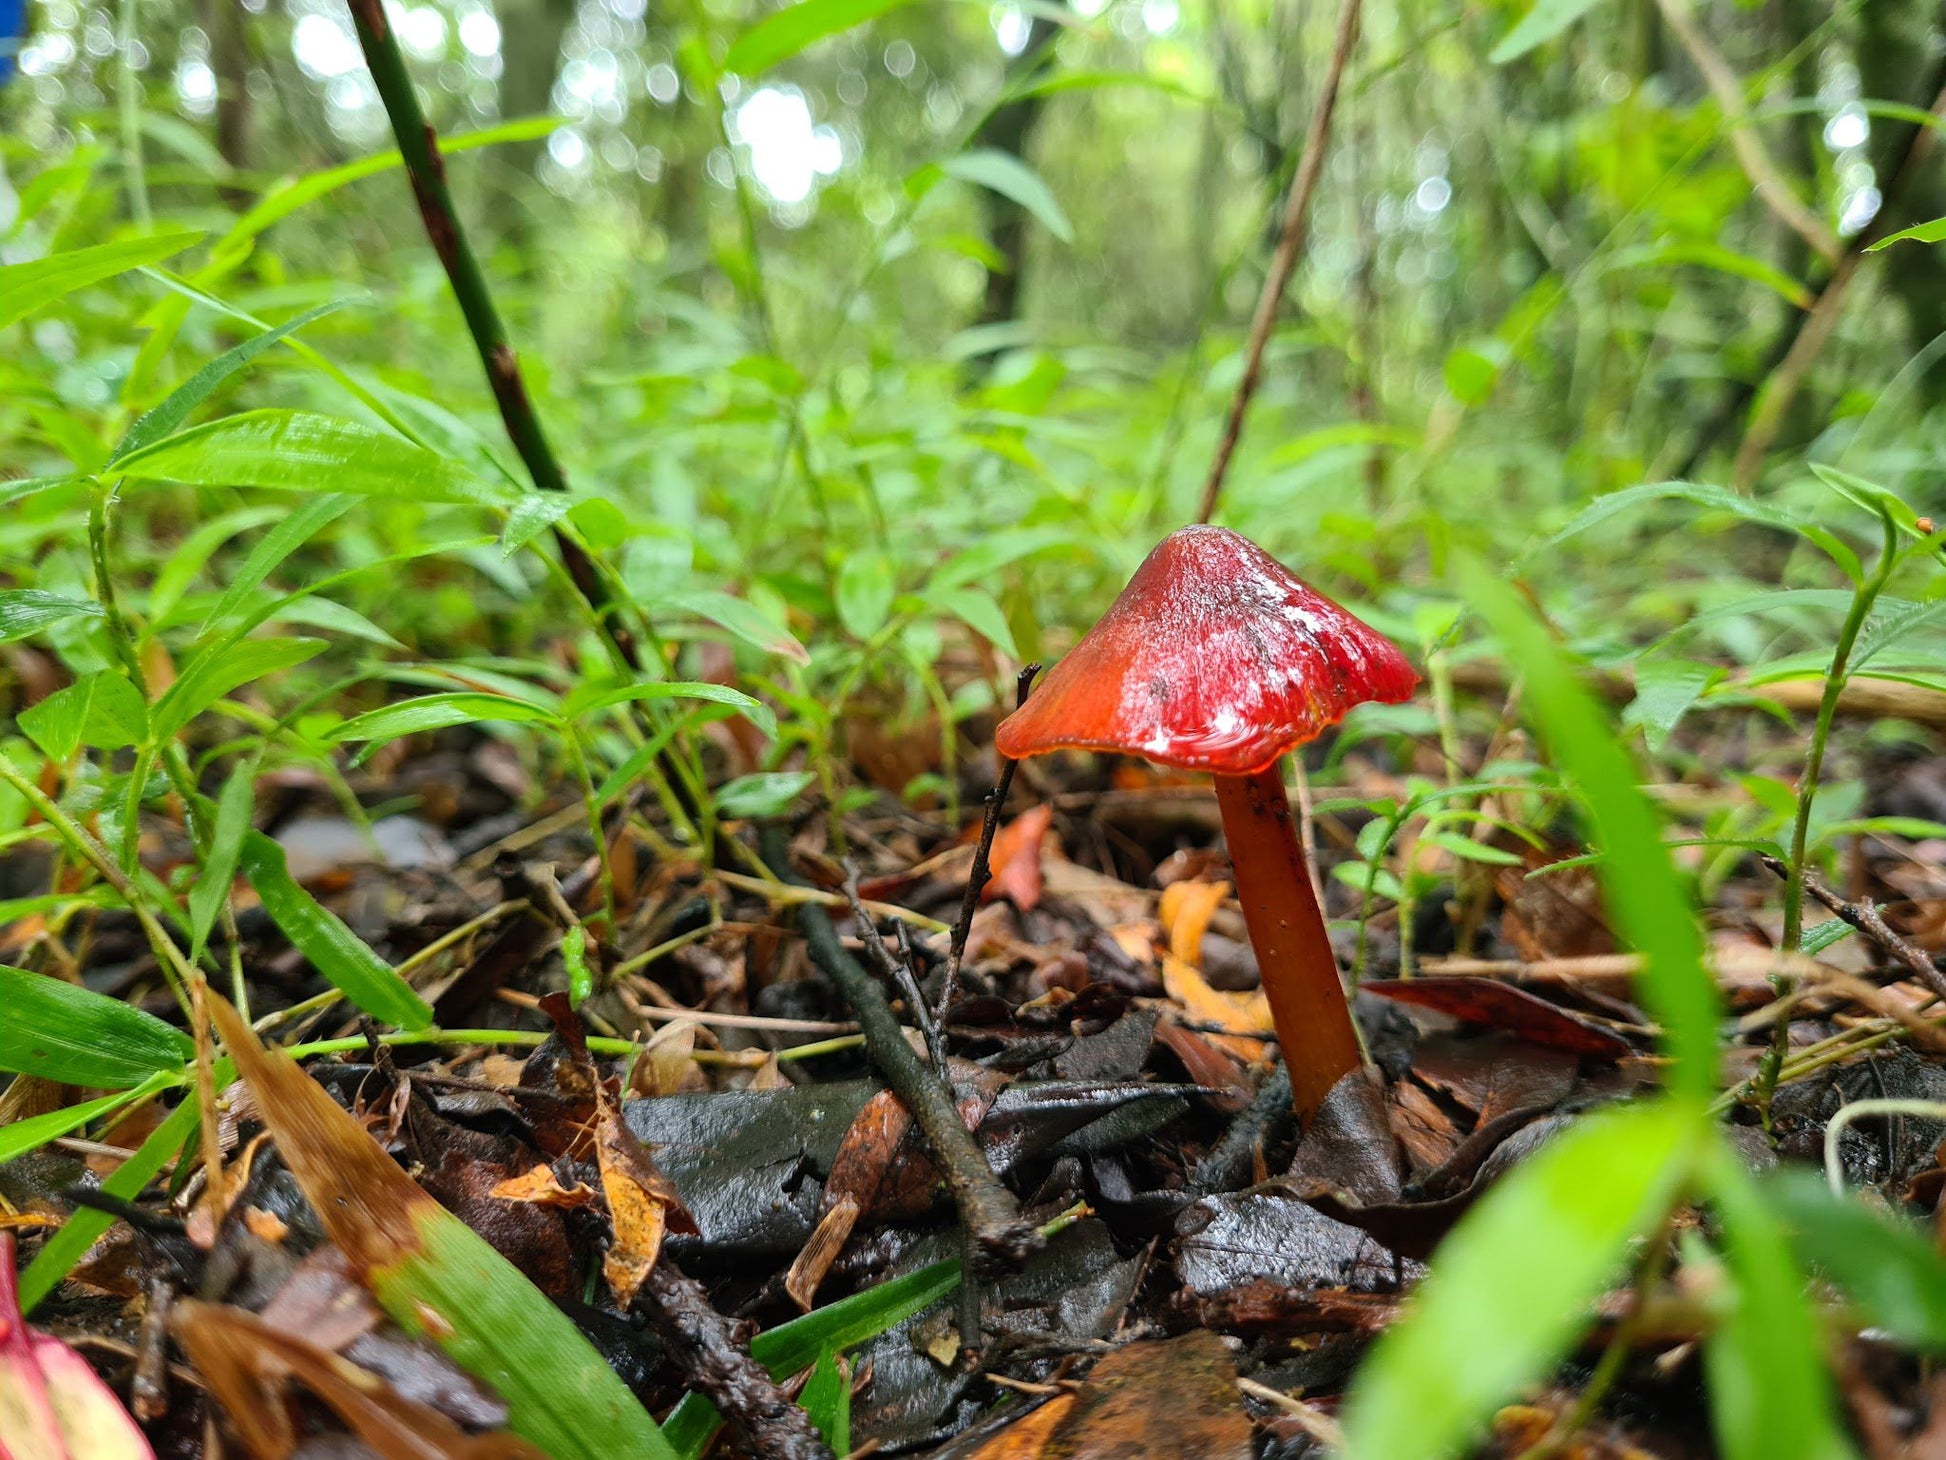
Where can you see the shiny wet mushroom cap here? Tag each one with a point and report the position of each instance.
(1215, 658)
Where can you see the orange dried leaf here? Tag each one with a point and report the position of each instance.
(1243, 1018)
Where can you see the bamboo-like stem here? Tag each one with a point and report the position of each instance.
(1294, 957)
(1283, 263)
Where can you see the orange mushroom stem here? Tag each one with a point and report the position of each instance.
(1286, 925)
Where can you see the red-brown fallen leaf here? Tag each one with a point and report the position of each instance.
(1154, 1401)
(1015, 859)
(1497, 1005)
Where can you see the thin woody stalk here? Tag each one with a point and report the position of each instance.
(419, 147)
(1294, 957)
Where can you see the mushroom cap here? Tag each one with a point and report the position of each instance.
(1214, 658)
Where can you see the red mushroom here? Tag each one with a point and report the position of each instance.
(1215, 658)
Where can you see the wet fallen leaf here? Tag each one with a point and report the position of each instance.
(1015, 859)
(1151, 1401)
(1496, 1005)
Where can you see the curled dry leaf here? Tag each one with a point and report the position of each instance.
(1015, 859)
(52, 1405)
(247, 1363)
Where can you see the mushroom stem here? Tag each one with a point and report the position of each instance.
(1294, 957)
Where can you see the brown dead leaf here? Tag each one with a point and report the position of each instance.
(247, 1363)
(540, 1185)
(1493, 1004)
(1154, 1401)
(1027, 1436)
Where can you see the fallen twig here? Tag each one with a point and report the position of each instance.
(1283, 263)
(981, 871)
(986, 1206)
(1865, 916)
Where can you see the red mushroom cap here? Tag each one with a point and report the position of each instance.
(1214, 658)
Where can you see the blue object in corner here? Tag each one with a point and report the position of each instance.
(13, 33)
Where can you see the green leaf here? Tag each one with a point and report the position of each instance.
(979, 611)
(1714, 256)
(212, 890)
(1665, 690)
(589, 698)
(333, 949)
(864, 593)
(103, 711)
(1511, 1286)
(784, 33)
(220, 669)
(1470, 372)
(1886, 1265)
(1714, 499)
(761, 796)
(19, 1137)
(994, 551)
(532, 515)
(81, 1230)
(163, 420)
(302, 452)
(187, 561)
(1545, 21)
(291, 532)
(792, 1347)
(1932, 232)
(1003, 173)
(436, 712)
(574, 957)
(1639, 883)
(75, 1036)
(827, 1400)
(27, 287)
(1882, 631)
(25, 611)
(1769, 1384)
(1871, 496)
(742, 619)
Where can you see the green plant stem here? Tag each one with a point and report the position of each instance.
(129, 103)
(530, 1038)
(175, 967)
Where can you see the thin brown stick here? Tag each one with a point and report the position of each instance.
(976, 877)
(1283, 263)
(1865, 916)
(1772, 188)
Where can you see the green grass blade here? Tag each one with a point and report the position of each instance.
(78, 1037)
(334, 950)
(38, 283)
(1510, 1287)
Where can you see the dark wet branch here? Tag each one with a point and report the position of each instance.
(1866, 917)
(986, 1206)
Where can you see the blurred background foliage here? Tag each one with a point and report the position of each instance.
(966, 286)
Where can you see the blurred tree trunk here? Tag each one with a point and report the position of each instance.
(229, 59)
(531, 32)
(1897, 62)
(1011, 129)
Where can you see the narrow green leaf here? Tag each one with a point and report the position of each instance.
(1885, 1264)
(740, 618)
(864, 592)
(1005, 174)
(27, 287)
(291, 532)
(592, 697)
(212, 890)
(103, 711)
(761, 796)
(827, 1400)
(1716, 257)
(1769, 1383)
(75, 1036)
(220, 669)
(994, 551)
(187, 561)
(1714, 499)
(81, 1230)
(979, 611)
(1665, 690)
(784, 33)
(333, 949)
(21, 1136)
(1545, 21)
(1639, 883)
(835, 1328)
(437, 712)
(532, 515)
(1871, 496)
(1929, 232)
(163, 420)
(302, 452)
(1511, 1286)
(25, 611)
